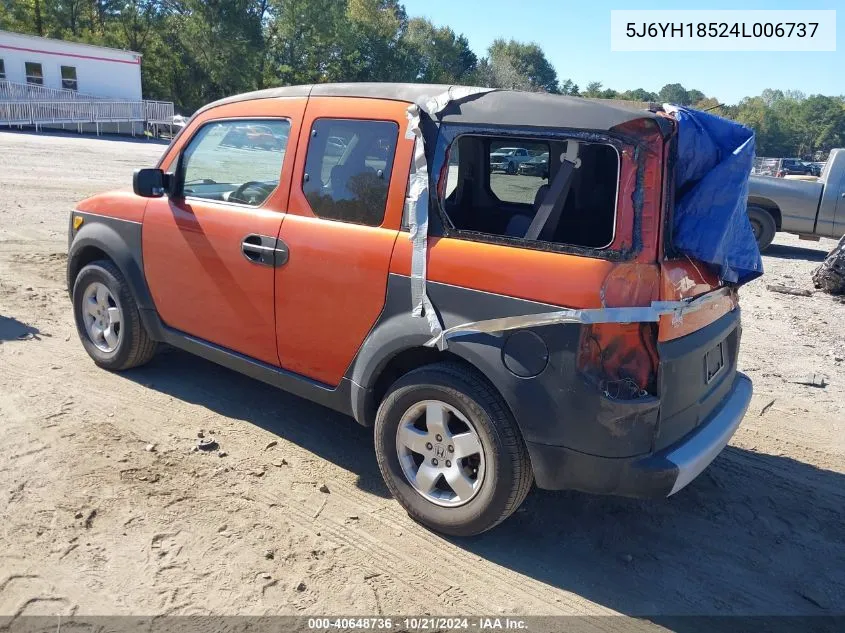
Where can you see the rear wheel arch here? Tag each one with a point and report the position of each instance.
(767, 205)
(400, 362)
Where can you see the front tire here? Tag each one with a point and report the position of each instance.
(450, 451)
(763, 225)
(107, 318)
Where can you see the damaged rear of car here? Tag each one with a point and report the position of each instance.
(601, 300)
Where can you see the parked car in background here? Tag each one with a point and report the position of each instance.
(295, 268)
(794, 167)
(537, 165)
(807, 208)
(255, 136)
(508, 159)
(816, 168)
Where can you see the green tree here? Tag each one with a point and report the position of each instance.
(639, 94)
(519, 66)
(437, 54)
(569, 87)
(592, 90)
(673, 93)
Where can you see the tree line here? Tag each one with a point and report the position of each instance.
(196, 51)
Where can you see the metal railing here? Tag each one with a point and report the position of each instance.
(48, 112)
(13, 91)
(158, 111)
(30, 104)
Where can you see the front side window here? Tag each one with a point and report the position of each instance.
(69, 78)
(348, 167)
(2, 70)
(34, 74)
(235, 161)
(495, 187)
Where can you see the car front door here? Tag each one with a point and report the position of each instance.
(210, 251)
(343, 218)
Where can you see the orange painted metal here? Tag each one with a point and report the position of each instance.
(332, 290)
(683, 279)
(200, 281)
(329, 294)
(650, 150)
(123, 205)
(556, 278)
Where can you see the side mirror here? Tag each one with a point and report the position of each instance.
(150, 183)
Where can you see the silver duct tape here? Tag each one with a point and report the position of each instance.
(439, 102)
(416, 207)
(647, 314)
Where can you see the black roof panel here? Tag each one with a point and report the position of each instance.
(497, 107)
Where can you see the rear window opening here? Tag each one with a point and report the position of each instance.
(494, 186)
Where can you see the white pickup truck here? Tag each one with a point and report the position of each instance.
(508, 159)
(809, 209)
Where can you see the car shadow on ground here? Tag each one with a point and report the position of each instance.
(13, 330)
(784, 251)
(326, 433)
(755, 534)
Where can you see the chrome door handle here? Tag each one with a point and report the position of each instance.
(264, 250)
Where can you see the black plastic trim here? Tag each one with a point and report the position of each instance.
(557, 406)
(337, 398)
(120, 240)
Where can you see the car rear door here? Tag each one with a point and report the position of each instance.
(344, 215)
(210, 255)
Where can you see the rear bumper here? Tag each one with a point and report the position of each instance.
(657, 475)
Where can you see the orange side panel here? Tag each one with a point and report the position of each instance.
(556, 278)
(683, 279)
(332, 290)
(201, 282)
(123, 205)
(329, 294)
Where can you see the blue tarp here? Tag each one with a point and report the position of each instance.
(710, 222)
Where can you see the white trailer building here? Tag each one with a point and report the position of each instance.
(94, 70)
(51, 83)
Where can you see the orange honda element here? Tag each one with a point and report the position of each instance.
(496, 327)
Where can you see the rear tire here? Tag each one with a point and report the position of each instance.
(128, 344)
(764, 226)
(475, 413)
(511, 168)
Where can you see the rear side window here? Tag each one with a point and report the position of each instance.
(348, 167)
(495, 187)
(235, 161)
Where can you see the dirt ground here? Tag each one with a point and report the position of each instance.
(108, 511)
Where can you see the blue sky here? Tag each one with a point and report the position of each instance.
(575, 35)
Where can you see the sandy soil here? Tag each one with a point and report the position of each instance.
(108, 511)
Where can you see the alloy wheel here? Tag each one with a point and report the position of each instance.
(103, 317)
(440, 453)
